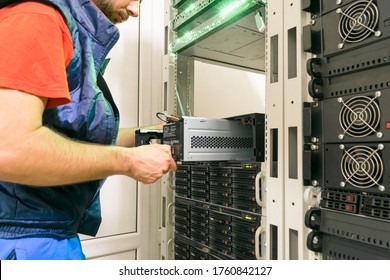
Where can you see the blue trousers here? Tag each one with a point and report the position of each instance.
(38, 248)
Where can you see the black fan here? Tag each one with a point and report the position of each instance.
(362, 166)
(358, 21)
(360, 116)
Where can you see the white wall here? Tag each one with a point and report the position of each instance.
(221, 92)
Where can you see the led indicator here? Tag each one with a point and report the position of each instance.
(388, 125)
(349, 208)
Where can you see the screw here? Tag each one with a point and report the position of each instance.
(338, 2)
(342, 184)
(314, 139)
(379, 134)
(314, 147)
(340, 46)
(342, 147)
(314, 183)
(378, 33)
(315, 240)
(381, 146)
(381, 188)
(341, 136)
(339, 100)
(378, 93)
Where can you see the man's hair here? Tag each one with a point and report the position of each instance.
(4, 3)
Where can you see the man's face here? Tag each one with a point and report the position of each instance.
(118, 11)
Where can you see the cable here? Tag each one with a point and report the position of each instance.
(167, 118)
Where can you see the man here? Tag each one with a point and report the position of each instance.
(59, 134)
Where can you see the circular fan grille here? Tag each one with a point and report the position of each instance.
(358, 21)
(359, 116)
(362, 167)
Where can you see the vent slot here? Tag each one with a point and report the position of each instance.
(361, 89)
(206, 142)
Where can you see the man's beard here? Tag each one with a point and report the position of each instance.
(106, 8)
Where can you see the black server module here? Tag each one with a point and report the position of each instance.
(217, 216)
(346, 128)
(217, 202)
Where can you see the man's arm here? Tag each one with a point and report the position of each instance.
(35, 155)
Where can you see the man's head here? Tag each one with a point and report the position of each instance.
(118, 11)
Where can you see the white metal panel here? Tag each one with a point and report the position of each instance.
(129, 255)
(110, 247)
(294, 96)
(221, 91)
(168, 89)
(274, 206)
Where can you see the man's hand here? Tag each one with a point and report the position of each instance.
(150, 162)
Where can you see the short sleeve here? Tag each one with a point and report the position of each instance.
(35, 48)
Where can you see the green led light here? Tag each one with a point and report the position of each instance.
(190, 8)
(191, 11)
(231, 7)
(227, 13)
(187, 35)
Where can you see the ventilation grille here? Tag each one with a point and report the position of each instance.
(359, 116)
(377, 213)
(341, 196)
(345, 89)
(376, 201)
(362, 166)
(335, 255)
(359, 236)
(376, 206)
(358, 21)
(205, 142)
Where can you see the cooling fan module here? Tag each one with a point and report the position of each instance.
(362, 166)
(358, 21)
(359, 116)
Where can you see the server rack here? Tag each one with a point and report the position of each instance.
(218, 192)
(349, 87)
(326, 176)
(277, 50)
(214, 197)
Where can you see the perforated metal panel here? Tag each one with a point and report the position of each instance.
(212, 139)
(221, 142)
